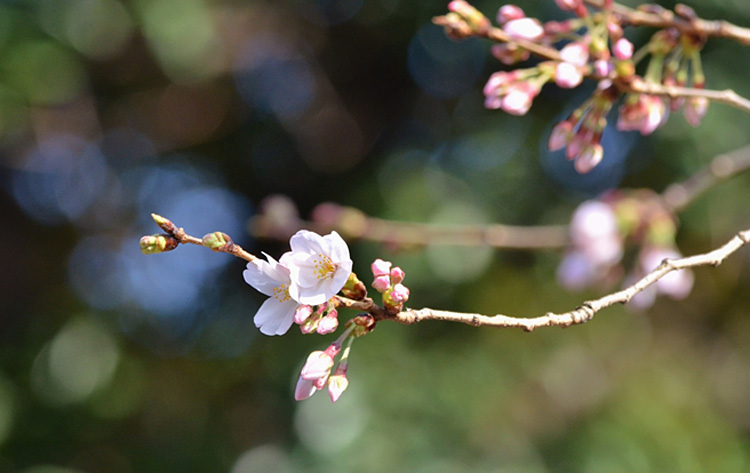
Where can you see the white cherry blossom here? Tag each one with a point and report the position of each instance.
(271, 278)
(319, 266)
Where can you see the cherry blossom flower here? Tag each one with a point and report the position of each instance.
(695, 109)
(272, 278)
(319, 266)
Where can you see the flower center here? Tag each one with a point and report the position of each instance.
(281, 293)
(324, 267)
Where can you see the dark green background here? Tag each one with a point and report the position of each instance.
(112, 361)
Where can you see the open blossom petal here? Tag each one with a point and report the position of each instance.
(271, 278)
(319, 266)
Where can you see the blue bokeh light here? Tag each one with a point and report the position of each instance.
(274, 79)
(60, 180)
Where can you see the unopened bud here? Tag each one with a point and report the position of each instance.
(337, 384)
(364, 323)
(473, 17)
(216, 240)
(152, 244)
(381, 283)
(397, 275)
(354, 288)
(164, 223)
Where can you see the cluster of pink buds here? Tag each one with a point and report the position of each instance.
(322, 320)
(319, 372)
(593, 46)
(599, 231)
(388, 282)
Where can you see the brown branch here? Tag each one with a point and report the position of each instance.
(174, 236)
(677, 196)
(664, 18)
(353, 224)
(588, 309)
(728, 96)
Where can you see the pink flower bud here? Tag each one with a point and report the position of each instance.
(602, 67)
(400, 293)
(517, 101)
(304, 389)
(337, 384)
(397, 275)
(509, 54)
(589, 158)
(560, 135)
(524, 28)
(568, 5)
(575, 53)
(623, 49)
(567, 75)
(507, 13)
(302, 313)
(318, 365)
(328, 324)
(381, 283)
(695, 109)
(380, 267)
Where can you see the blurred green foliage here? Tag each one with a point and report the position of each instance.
(112, 361)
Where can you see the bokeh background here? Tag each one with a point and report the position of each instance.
(113, 361)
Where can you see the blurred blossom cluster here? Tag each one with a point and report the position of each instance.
(602, 230)
(592, 44)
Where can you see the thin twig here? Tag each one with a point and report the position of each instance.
(727, 96)
(353, 224)
(581, 314)
(677, 196)
(667, 19)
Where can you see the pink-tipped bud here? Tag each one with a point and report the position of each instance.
(400, 293)
(329, 323)
(381, 283)
(568, 5)
(380, 267)
(302, 313)
(602, 67)
(317, 366)
(397, 275)
(509, 54)
(589, 158)
(524, 28)
(623, 49)
(508, 13)
(518, 100)
(575, 53)
(567, 75)
(304, 389)
(560, 135)
(695, 109)
(337, 384)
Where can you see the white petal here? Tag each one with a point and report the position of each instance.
(305, 241)
(274, 317)
(256, 276)
(339, 251)
(311, 295)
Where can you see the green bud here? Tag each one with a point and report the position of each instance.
(216, 240)
(164, 223)
(354, 288)
(152, 244)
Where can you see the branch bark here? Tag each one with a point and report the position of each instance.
(581, 314)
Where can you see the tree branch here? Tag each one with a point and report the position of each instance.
(679, 195)
(663, 18)
(727, 96)
(587, 310)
